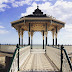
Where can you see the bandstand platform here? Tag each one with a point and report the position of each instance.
(48, 58)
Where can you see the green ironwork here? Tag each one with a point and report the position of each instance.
(14, 56)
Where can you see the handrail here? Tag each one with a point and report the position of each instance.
(14, 56)
(12, 59)
(54, 54)
(67, 59)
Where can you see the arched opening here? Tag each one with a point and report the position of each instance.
(37, 40)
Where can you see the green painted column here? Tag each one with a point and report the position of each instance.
(18, 47)
(56, 35)
(29, 34)
(53, 36)
(22, 36)
(46, 33)
(43, 39)
(29, 38)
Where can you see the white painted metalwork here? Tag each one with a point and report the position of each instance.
(23, 54)
(55, 55)
(66, 67)
(14, 65)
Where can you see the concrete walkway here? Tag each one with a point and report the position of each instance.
(37, 62)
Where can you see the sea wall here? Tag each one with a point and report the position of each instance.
(68, 49)
(7, 48)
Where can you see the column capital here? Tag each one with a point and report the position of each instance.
(32, 34)
(53, 34)
(29, 33)
(22, 31)
(56, 35)
(42, 32)
(29, 27)
(19, 35)
(46, 33)
(19, 32)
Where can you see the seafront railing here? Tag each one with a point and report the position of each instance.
(19, 57)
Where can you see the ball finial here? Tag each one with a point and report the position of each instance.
(37, 6)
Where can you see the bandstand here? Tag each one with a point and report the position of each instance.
(37, 22)
(49, 59)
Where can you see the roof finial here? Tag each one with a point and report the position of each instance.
(37, 6)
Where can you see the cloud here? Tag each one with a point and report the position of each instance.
(16, 3)
(28, 2)
(3, 31)
(2, 27)
(12, 27)
(41, 0)
(4, 4)
(6, 1)
(29, 10)
(61, 10)
(68, 28)
(3, 7)
(21, 3)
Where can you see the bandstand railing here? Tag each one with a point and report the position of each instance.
(55, 56)
(66, 64)
(19, 57)
(59, 57)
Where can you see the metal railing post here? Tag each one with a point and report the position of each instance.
(18, 56)
(61, 57)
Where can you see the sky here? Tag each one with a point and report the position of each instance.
(11, 10)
